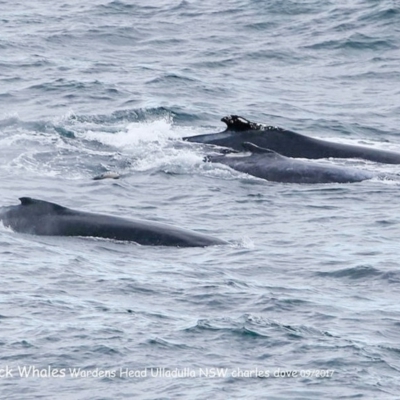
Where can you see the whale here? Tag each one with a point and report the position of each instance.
(288, 143)
(39, 217)
(268, 164)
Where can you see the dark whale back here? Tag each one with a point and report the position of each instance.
(288, 143)
(40, 217)
(268, 164)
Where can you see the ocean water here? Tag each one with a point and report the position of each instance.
(303, 301)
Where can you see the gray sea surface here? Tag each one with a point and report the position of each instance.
(302, 302)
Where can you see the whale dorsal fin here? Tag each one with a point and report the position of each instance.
(256, 149)
(28, 201)
(237, 123)
(240, 124)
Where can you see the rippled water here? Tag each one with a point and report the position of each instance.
(309, 283)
